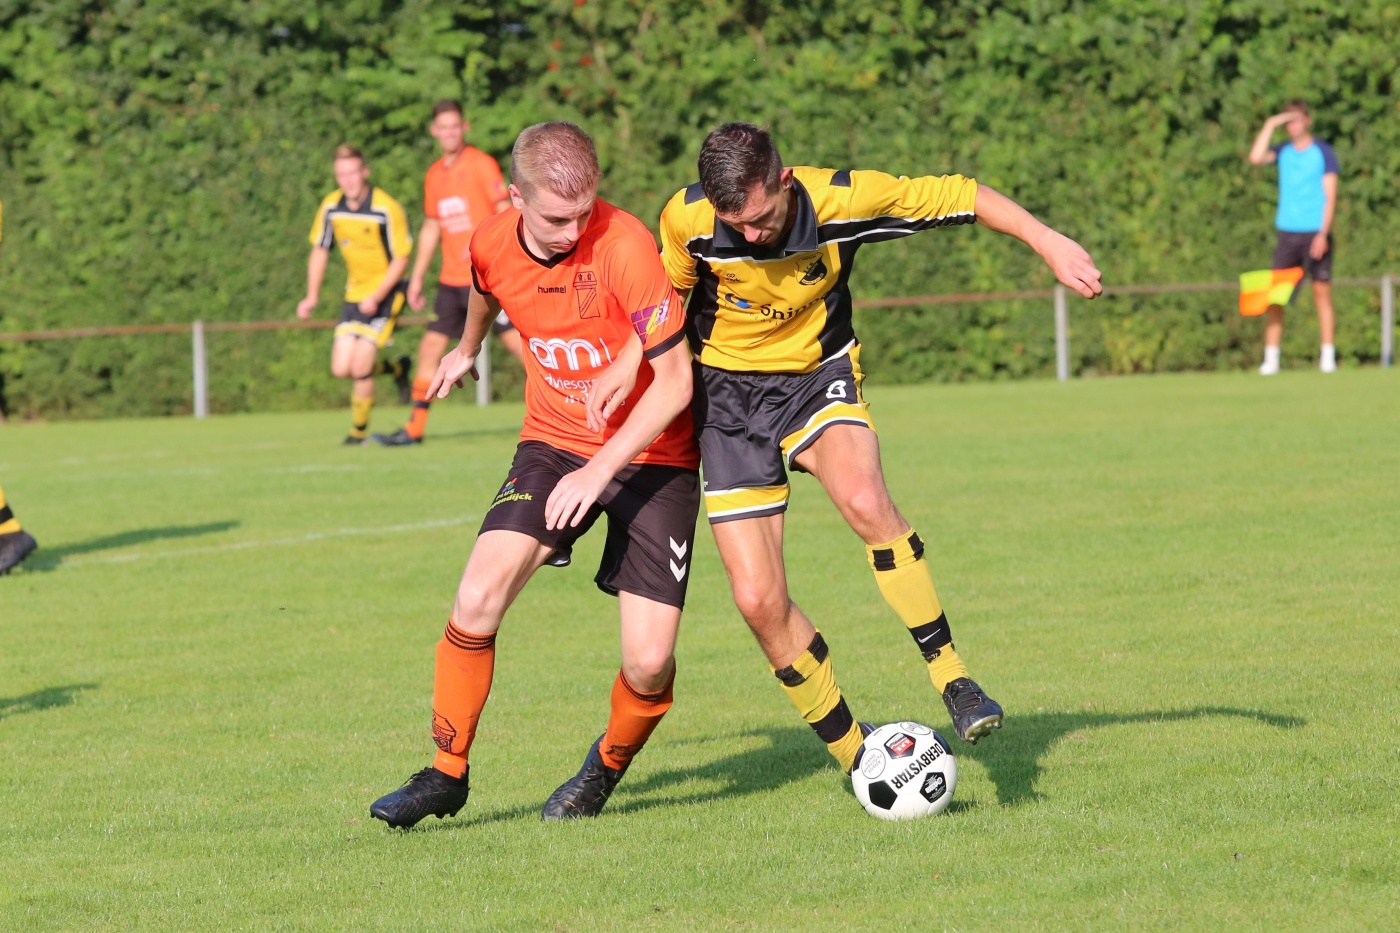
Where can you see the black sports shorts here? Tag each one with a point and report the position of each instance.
(1292, 251)
(752, 426)
(450, 313)
(377, 328)
(651, 513)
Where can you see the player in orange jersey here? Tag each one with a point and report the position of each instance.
(461, 190)
(583, 283)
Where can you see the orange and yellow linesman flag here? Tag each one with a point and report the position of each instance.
(1259, 290)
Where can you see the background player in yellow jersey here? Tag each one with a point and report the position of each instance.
(15, 543)
(372, 232)
(765, 252)
(461, 191)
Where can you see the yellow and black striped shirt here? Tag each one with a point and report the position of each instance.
(370, 236)
(786, 307)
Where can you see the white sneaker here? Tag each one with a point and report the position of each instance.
(1268, 368)
(1328, 366)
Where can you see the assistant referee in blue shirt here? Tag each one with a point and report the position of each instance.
(1307, 202)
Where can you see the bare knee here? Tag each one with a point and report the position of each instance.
(762, 608)
(650, 669)
(870, 513)
(478, 608)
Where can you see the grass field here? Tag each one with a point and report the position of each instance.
(1185, 591)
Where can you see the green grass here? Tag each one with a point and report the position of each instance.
(1185, 591)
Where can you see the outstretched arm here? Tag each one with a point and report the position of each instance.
(666, 397)
(1070, 262)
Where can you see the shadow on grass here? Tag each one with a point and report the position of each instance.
(44, 699)
(787, 754)
(1012, 756)
(52, 558)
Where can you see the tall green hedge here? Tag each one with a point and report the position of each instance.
(161, 161)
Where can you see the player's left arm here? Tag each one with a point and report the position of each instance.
(666, 397)
(1331, 169)
(1329, 210)
(1071, 263)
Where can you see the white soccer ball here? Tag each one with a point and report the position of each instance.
(904, 771)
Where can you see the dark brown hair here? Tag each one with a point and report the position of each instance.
(733, 159)
(1299, 105)
(446, 106)
(347, 151)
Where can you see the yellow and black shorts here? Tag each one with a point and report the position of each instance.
(378, 327)
(752, 426)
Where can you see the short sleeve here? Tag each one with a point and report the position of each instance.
(1330, 165)
(929, 201)
(1277, 149)
(430, 208)
(481, 280)
(400, 240)
(493, 183)
(637, 280)
(321, 234)
(676, 259)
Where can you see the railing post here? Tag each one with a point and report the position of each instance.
(1061, 335)
(1387, 320)
(483, 373)
(201, 372)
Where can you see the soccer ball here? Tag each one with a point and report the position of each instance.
(904, 771)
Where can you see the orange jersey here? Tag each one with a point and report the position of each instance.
(460, 197)
(575, 312)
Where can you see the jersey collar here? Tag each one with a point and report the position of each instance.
(802, 238)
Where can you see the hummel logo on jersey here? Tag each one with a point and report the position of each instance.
(678, 571)
(814, 273)
(551, 289)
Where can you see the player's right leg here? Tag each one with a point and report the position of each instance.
(500, 565)
(15, 543)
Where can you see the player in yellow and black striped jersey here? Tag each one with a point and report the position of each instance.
(371, 230)
(766, 253)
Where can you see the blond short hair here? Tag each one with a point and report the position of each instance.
(347, 151)
(557, 156)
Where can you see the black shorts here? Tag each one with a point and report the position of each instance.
(752, 426)
(651, 513)
(1293, 250)
(450, 313)
(378, 328)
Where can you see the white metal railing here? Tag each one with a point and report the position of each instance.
(1059, 294)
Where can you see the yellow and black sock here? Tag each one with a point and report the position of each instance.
(904, 580)
(383, 367)
(8, 523)
(359, 415)
(810, 684)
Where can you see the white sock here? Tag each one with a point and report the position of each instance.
(1329, 355)
(1270, 356)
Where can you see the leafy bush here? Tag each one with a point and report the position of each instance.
(161, 161)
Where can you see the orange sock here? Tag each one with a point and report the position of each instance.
(418, 422)
(634, 716)
(462, 682)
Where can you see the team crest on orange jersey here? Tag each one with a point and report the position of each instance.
(586, 293)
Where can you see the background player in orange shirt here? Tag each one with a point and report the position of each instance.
(462, 189)
(583, 282)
